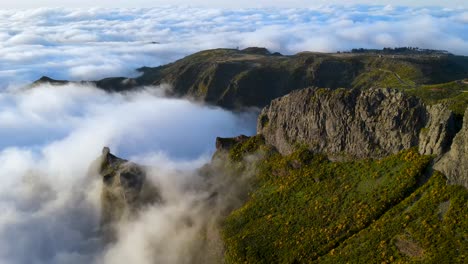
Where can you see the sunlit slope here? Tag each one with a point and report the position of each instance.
(307, 209)
(253, 77)
(234, 78)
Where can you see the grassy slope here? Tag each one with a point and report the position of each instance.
(230, 77)
(305, 208)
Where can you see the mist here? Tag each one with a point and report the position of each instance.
(50, 203)
(94, 43)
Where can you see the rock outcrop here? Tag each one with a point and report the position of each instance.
(374, 123)
(436, 137)
(344, 123)
(125, 188)
(454, 164)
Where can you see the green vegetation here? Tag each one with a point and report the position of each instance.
(304, 208)
(253, 77)
(430, 226)
(455, 94)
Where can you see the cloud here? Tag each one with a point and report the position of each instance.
(224, 4)
(50, 135)
(96, 43)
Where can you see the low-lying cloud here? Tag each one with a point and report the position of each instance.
(50, 135)
(87, 44)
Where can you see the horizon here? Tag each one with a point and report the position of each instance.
(122, 39)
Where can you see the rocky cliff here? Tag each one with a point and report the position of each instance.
(344, 123)
(454, 163)
(374, 123)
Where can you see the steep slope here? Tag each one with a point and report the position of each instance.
(344, 123)
(373, 123)
(253, 77)
(306, 209)
(455, 162)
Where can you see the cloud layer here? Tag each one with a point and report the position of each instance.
(50, 135)
(95, 43)
(224, 4)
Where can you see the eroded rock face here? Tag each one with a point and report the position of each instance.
(344, 123)
(436, 137)
(125, 188)
(454, 164)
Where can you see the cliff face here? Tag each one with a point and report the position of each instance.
(436, 137)
(374, 123)
(454, 163)
(344, 123)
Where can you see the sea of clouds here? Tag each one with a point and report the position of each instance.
(87, 44)
(50, 205)
(49, 135)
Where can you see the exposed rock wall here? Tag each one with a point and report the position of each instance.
(454, 164)
(344, 123)
(436, 137)
(347, 124)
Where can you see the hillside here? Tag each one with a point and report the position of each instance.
(253, 77)
(306, 209)
(397, 193)
(380, 201)
(370, 169)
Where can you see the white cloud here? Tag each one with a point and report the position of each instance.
(96, 43)
(223, 4)
(50, 135)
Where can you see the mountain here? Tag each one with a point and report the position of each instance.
(342, 179)
(358, 157)
(345, 175)
(253, 77)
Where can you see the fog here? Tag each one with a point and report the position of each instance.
(50, 204)
(94, 43)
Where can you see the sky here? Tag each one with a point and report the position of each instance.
(223, 4)
(94, 43)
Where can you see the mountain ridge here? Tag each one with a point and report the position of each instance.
(233, 78)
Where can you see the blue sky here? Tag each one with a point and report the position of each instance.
(229, 4)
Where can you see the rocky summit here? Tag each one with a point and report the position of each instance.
(125, 188)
